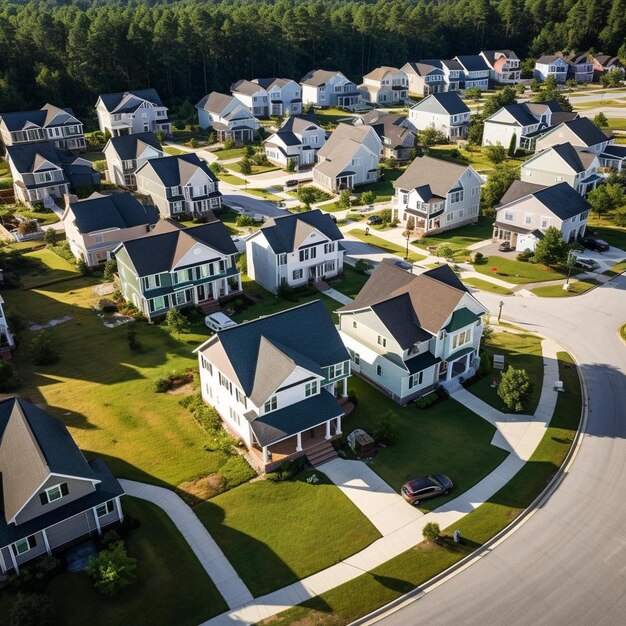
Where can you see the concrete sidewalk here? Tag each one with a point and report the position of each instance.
(337, 295)
(216, 565)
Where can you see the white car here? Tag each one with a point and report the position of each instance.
(218, 321)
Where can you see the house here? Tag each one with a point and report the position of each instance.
(394, 131)
(424, 79)
(285, 95)
(551, 65)
(172, 266)
(40, 172)
(275, 381)
(408, 333)
(298, 140)
(524, 123)
(50, 123)
(603, 63)
(7, 343)
(385, 86)
(323, 88)
(563, 163)
(132, 112)
(452, 71)
(181, 184)
(294, 250)
(228, 116)
(527, 210)
(349, 158)
(125, 153)
(504, 66)
(474, 72)
(613, 157)
(94, 227)
(433, 195)
(252, 96)
(51, 497)
(580, 132)
(445, 112)
(580, 67)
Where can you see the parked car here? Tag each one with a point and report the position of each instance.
(591, 243)
(292, 182)
(218, 321)
(424, 488)
(505, 246)
(586, 264)
(374, 219)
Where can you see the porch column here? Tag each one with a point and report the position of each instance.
(328, 435)
(449, 373)
(239, 282)
(345, 388)
(45, 541)
(299, 442)
(338, 431)
(3, 565)
(266, 455)
(225, 286)
(118, 506)
(13, 561)
(468, 360)
(97, 520)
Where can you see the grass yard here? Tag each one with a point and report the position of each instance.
(277, 533)
(414, 567)
(518, 272)
(445, 438)
(174, 151)
(605, 229)
(477, 157)
(256, 169)
(460, 239)
(93, 155)
(167, 571)
(231, 179)
(522, 351)
(485, 285)
(616, 270)
(576, 287)
(332, 117)
(383, 189)
(384, 245)
(46, 266)
(622, 332)
(351, 283)
(617, 123)
(230, 153)
(265, 195)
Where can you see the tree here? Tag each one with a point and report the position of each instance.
(514, 389)
(112, 570)
(552, 249)
(368, 197)
(291, 165)
(431, 136)
(497, 184)
(502, 97)
(245, 166)
(249, 150)
(32, 608)
(512, 145)
(606, 198)
(345, 199)
(496, 154)
(475, 130)
(473, 93)
(619, 217)
(8, 378)
(176, 322)
(612, 79)
(50, 237)
(216, 168)
(444, 251)
(431, 532)
(600, 120)
(41, 350)
(307, 196)
(110, 268)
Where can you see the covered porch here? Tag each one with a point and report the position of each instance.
(458, 365)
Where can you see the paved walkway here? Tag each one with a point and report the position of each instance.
(337, 295)
(216, 565)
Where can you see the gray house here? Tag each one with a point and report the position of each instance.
(394, 131)
(445, 112)
(126, 153)
(51, 496)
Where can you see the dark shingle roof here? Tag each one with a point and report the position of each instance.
(588, 133)
(519, 189)
(173, 171)
(26, 157)
(446, 102)
(48, 116)
(561, 199)
(438, 175)
(112, 101)
(472, 63)
(129, 146)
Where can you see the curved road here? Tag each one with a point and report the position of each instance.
(567, 563)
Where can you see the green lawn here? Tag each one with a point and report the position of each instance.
(460, 239)
(622, 332)
(266, 195)
(231, 153)
(520, 351)
(403, 573)
(446, 438)
(274, 534)
(605, 229)
(383, 189)
(477, 157)
(174, 151)
(332, 207)
(617, 123)
(256, 169)
(93, 155)
(556, 291)
(517, 272)
(616, 269)
(231, 178)
(485, 285)
(45, 266)
(43, 216)
(384, 245)
(351, 283)
(331, 116)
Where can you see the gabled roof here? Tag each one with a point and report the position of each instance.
(519, 112)
(215, 102)
(48, 116)
(389, 126)
(338, 151)
(446, 103)
(519, 189)
(284, 233)
(162, 249)
(246, 87)
(268, 83)
(439, 175)
(546, 59)
(421, 69)
(584, 129)
(492, 55)
(26, 158)
(577, 159)
(472, 63)
(450, 64)
(317, 78)
(606, 60)
(172, 171)
(380, 72)
(127, 101)
(561, 200)
(129, 147)
(118, 210)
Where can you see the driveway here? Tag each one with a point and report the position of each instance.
(269, 209)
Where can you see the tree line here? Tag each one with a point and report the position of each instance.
(68, 53)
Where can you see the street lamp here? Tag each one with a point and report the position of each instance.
(408, 235)
(571, 259)
(500, 311)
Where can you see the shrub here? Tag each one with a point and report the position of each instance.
(368, 197)
(514, 389)
(485, 364)
(50, 237)
(176, 322)
(63, 250)
(244, 220)
(229, 144)
(161, 385)
(496, 154)
(487, 333)
(242, 263)
(133, 343)
(525, 256)
(478, 257)
(112, 570)
(82, 266)
(215, 167)
(110, 268)
(32, 608)
(9, 380)
(41, 350)
(291, 166)
(245, 166)
(444, 251)
(286, 292)
(345, 199)
(362, 266)
(179, 125)
(385, 433)
(431, 532)
(27, 226)
(194, 143)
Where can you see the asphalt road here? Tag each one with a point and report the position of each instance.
(567, 563)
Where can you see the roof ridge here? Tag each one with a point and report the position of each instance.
(32, 434)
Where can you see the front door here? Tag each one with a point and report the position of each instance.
(201, 293)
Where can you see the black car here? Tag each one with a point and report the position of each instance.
(599, 245)
(428, 487)
(374, 219)
(505, 246)
(291, 183)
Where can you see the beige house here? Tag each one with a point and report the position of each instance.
(580, 133)
(125, 154)
(424, 79)
(385, 86)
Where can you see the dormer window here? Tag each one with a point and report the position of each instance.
(53, 493)
(311, 389)
(270, 405)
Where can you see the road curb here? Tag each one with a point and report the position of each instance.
(489, 545)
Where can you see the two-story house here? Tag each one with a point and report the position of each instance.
(294, 250)
(551, 65)
(395, 132)
(349, 158)
(563, 163)
(94, 227)
(172, 266)
(504, 66)
(475, 72)
(433, 195)
(285, 95)
(50, 123)
(253, 96)
(324, 88)
(424, 79)
(181, 184)
(603, 63)
(228, 116)
(297, 141)
(580, 67)
(51, 497)
(132, 112)
(580, 132)
(275, 381)
(527, 210)
(385, 86)
(452, 71)
(7, 343)
(408, 333)
(445, 112)
(613, 157)
(125, 153)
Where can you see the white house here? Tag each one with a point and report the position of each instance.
(126, 153)
(275, 381)
(581, 67)
(504, 66)
(253, 96)
(445, 112)
(452, 70)
(527, 210)
(298, 140)
(551, 65)
(385, 86)
(433, 195)
(323, 88)
(408, 333)
(294, 250)
(424, 79)
(349, 158)
(7, 343)
(228, 116)
(181, 184)
(269, 96)
(475, 71)
(132, 112)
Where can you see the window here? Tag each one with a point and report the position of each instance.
(206, 365)
(182, 276)
(508, 216)
(234, 416)
(528, 219)
(24, 545)
(475, 191)
(270, 405)
(456, 196)
(354, 324)
(151, 282)
(310, 389)
(44, 177)
(382, 341)
(157, 303)
(176, 190)
(356, 358)
(297, 274)
(329, 247)
(282, 259)
(179, 297)
(105, 509)
(307, 253)
(329, 266)
(241, 398)
(356, 161)
(415, 380)
(54, 493)
(461, 339)
(379, 370)
(450, 216)
(545, 222)
(225, 383)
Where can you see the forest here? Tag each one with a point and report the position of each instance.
(69, 52)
